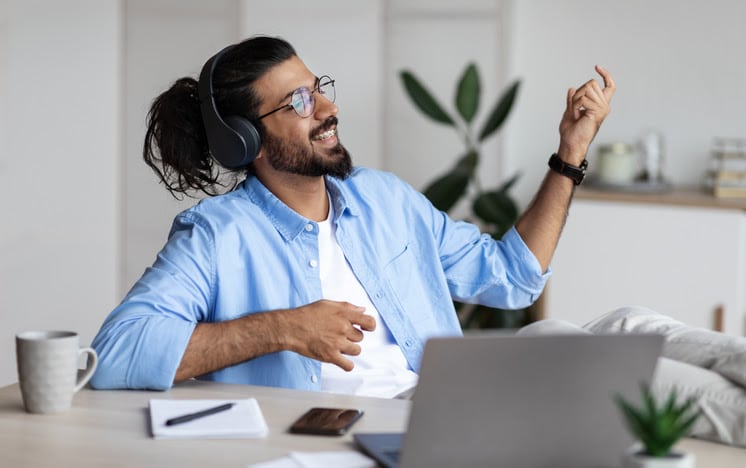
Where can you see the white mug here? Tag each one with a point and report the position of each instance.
(48, 369)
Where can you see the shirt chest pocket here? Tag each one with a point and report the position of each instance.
(407, 279)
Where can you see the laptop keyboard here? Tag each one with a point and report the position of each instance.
(392, 455)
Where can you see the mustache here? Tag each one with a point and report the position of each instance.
(328, 124)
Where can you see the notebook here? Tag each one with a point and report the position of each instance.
(243, 420)
(520, 401)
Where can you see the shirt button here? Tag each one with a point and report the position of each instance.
(313, 263)
(379, 294)
(408, 344)
(309, 227)
(314, 379)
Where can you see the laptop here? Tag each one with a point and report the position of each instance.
(512, 401)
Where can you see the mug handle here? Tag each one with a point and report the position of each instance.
(90, 369)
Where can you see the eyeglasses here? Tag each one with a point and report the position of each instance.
(302, 100)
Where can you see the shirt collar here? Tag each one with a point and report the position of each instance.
(342, 197)
(287, 222)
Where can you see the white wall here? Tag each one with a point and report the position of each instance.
(435, 41)
(679, 68)
(342, 39)
(165, 40)
(3, 109)
(59, 174)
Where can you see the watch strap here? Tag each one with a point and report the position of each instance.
(574, 173)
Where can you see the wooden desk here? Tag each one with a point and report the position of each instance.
(110, 428)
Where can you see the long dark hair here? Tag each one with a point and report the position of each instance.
(175, 141)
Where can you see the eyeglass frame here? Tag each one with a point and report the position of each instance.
(311, 92)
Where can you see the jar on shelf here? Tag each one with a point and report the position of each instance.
(618, 163)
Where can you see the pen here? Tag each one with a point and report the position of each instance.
(198, 414)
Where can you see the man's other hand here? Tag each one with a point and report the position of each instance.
(327, 330)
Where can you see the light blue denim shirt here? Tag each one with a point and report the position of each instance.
(246, 252)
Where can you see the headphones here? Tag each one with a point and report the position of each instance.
(233, 140)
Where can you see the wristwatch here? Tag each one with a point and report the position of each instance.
(575, 173)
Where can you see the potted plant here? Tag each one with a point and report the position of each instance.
(493, 209)
(658, 428)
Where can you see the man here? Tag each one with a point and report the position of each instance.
(313, 274)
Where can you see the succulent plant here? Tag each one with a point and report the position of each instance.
(658, 427)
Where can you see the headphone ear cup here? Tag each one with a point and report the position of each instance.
(248, 133)
(233, 141)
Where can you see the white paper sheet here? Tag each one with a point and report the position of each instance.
(243, 420)
(319, 460)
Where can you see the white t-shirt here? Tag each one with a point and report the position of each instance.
(380, 369)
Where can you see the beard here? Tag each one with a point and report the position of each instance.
(299, 158)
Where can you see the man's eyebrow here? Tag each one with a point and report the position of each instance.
(315, 83)
(282, 99)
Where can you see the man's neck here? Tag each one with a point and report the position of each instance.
(304, 195)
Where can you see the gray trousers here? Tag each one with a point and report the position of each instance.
(702, 364)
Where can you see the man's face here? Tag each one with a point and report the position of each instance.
(304, 146)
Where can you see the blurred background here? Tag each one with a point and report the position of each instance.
(81, 215)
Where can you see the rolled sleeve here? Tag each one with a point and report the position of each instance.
(142, 353)
(503, 274)
(142, 342)
(526, 271)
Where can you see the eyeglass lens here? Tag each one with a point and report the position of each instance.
(303, 100)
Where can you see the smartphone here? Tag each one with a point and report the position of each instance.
(326, 421)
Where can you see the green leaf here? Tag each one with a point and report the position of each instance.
(467, 162)
(689, 403)
(647, 398)
(447, 189)
(500, 111)
(467, 93)
(686, 425)
(507, 185)
(423, 100)
(670, 405)
(496, 207)
(634, 419)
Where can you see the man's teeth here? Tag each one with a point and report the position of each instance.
(326, 134)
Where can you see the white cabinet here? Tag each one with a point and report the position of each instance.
(682, 254)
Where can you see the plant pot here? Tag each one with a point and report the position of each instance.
(636, 458)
